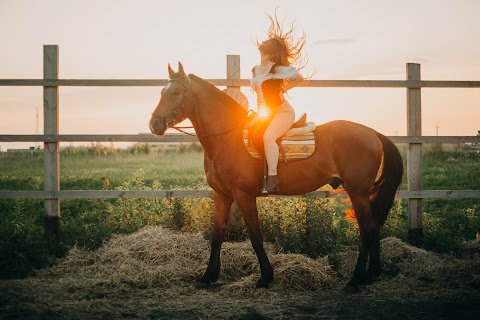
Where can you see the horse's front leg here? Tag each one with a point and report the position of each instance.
(248, 205)
(222, 205)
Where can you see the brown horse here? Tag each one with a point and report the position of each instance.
(347, 153)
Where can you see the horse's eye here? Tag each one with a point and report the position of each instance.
(176, 93)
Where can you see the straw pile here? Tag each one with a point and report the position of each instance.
(151, 274)
(398, 258)
(169, 262)
(470, 249)
(150, 258)
(408, 271)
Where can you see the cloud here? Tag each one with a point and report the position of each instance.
(334, 42)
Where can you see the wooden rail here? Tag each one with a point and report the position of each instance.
(148, 194)
(51, 138)
(239, 83)
(176, 137)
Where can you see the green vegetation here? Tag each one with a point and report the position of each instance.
(303, 225)
(450, 221)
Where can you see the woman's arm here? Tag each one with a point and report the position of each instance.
(292, 83)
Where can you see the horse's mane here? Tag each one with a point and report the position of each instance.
(217, 95)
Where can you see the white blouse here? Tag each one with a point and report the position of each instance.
(282, 72)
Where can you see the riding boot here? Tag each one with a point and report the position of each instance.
(272, 184)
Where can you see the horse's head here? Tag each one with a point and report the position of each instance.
(170, 109)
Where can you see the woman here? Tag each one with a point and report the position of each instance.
(271, 79)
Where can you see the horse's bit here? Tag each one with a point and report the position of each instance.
(168, 123)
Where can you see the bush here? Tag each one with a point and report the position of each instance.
(22, 242)
(300, 225)
(446, 231)
(191, 147)
(397, 221)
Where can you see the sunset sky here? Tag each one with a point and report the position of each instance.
(346, 39)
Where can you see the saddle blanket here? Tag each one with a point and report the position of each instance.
(297, 147)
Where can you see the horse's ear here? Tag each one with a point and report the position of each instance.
(181, 72)
(171, 73)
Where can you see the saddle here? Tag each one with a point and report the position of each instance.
(297, 144)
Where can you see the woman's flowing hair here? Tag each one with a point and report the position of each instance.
(282, 46)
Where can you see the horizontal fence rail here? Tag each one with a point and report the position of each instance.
(149, 194)
(186, 138)
(51, 138)
(240, 83)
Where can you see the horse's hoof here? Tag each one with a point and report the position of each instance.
(373, 275)
(369, 280)
(264, 283)
(202, 285)
(204, 282)
(349, 288)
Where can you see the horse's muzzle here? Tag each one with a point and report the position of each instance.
(157, 127)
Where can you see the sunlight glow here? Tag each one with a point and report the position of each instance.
(263, 113)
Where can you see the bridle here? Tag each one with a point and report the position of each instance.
(170, 119)
(170, 123)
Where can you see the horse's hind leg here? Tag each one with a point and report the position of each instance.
(374, 264)
(368, 234)
(248, 205)
(222, 205)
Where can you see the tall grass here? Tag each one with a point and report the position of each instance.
(447, 222)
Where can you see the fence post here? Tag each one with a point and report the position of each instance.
(233, 72)
(51, 155)
(233, 69)
(414, 156)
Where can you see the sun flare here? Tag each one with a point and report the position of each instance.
(263, 113)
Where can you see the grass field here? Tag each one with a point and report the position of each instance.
(311, 226)
(87, 170)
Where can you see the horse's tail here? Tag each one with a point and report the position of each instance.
(386, 186)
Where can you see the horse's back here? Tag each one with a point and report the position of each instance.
(355, 149)
(341, 127)
(347, 133)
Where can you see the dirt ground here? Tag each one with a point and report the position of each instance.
(151, 275)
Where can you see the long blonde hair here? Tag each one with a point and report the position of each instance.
(282, 46)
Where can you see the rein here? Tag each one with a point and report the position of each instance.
(170, 124)
(213, 134)
(180, 129)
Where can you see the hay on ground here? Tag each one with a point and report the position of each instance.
(151, 274)
(398, 258)
(159, 258)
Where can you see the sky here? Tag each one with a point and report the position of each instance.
(346, 39)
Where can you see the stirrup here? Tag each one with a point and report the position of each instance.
(264, 190)
(273, 185)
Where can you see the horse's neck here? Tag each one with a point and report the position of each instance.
(216, 123)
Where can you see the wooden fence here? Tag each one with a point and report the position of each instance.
(51, 138)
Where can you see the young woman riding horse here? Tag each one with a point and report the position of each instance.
(346, 153)
(270, 80)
